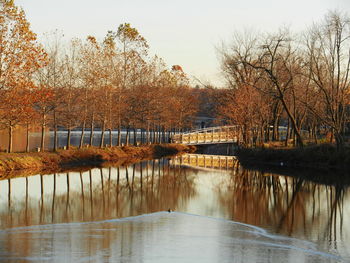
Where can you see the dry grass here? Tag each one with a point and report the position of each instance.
(51, 161)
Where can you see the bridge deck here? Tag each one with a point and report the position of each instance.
(213, 135)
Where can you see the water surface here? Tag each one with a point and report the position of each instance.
(288, 217)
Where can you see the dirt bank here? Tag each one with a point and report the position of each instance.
(35, 162)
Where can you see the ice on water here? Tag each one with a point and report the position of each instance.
(157, 237)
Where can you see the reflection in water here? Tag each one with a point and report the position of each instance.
(288, 205)
(281, 204)
(94, 195)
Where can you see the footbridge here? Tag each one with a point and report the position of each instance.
(211, 135)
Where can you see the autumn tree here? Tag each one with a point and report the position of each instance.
(50, 83)
(20, 57)
(247, 102)
(70, 107)
(89, 60)
(275, 64)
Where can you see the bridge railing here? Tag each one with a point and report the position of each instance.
(222, 134)
(211, 129)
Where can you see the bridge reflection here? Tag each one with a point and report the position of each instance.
(206, 161)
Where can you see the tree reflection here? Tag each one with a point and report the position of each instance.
(291, 206)
(111, 192)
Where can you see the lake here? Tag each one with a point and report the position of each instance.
(226, 214)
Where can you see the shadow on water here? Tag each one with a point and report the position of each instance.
(320, 176)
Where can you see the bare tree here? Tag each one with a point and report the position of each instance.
(328, 45)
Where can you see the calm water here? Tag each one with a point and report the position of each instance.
(220, 215)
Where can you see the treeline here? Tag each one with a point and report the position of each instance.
(299, 80)
(108, 85)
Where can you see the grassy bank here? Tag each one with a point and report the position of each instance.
(316, 156)
(65, 159)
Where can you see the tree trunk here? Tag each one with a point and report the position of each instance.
(262, 137)
(102, 134)
(275, 136)
(81, 143)
(127, 137)
(110, 138)
(9, 149)
(267, 133)
(299, 139)
(315, 134)
(92, 132)
(27, 143)
(142, 136)
(159, 134)
(154, 135)
(68, 137)
(135, 137)
(287, 134)
(55, 137)
(119, 135)
(43, 126)
(147, 134)
(339, 141)
(163, 134)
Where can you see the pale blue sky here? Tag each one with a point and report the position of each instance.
(181, 32)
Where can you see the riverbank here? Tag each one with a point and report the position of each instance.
(315, 156)
(35, 162)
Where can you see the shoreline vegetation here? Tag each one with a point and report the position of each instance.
(320, 156)
(24, 164)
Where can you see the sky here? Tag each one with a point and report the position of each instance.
(182, 32)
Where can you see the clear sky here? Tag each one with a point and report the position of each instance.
(183, 32)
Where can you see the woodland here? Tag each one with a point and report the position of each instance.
(296, 80)
(109, 84)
